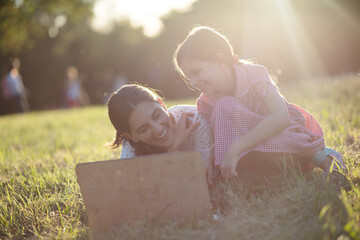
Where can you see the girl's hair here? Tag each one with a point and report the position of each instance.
(120, 106)
(203, 43)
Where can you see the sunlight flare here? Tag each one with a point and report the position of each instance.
(345, 15)
(140, 13)
(304, 51)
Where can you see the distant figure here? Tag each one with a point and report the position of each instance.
(155, 74)
(74, 94)
(112, 82)
(119, 81)
(13, 89)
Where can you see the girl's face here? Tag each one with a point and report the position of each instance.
(150, 123)
(211, 78)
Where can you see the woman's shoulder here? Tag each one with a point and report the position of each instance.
(178, 109)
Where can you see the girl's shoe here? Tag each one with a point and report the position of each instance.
(337, 164)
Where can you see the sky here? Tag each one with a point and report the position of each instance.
(145, 13)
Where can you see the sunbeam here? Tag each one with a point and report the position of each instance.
(345, 15)
(301, 46)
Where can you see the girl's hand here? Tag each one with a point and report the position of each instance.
(209, 170)
(182, 130)
(228, 166)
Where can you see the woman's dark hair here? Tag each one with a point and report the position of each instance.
(203, 43)
(120, 106)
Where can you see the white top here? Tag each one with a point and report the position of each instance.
(201, 139)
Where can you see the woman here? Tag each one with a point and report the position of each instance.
(144, 126)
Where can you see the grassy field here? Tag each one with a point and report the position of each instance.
(40, 198)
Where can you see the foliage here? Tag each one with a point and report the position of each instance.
(23, 23)
(40, 198)
(293, 39)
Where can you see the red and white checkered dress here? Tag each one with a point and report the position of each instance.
(231, 117)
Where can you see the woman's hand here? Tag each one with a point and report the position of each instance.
(182, 130)
(228, 166)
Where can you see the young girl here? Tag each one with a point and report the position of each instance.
(251, 120)
(144, 126)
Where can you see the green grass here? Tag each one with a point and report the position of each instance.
(40, 198)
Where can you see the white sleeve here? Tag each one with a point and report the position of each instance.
(202, 139)
(127, 151)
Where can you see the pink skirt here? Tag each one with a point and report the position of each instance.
(230, 120)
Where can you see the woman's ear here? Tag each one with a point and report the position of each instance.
(128, 136)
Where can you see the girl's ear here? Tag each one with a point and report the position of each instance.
(236, 58)
(221, 59)
(128, 136)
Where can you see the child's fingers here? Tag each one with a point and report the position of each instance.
(225, 172)
(228, 172)
(234, 173)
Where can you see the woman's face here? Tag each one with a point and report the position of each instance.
(211, 78)
(150, 123)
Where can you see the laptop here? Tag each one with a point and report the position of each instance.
(161, 187)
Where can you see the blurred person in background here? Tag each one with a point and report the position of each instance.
(74, 94)
(120, 80)
(113, 80)
(13, 90)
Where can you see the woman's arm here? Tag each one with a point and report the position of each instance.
(273, 124)
(203, 142)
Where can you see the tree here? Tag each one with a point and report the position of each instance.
(22, 23)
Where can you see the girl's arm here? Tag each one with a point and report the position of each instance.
(273, 124)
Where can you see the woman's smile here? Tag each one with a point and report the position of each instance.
(163, 136)
(150, 123)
